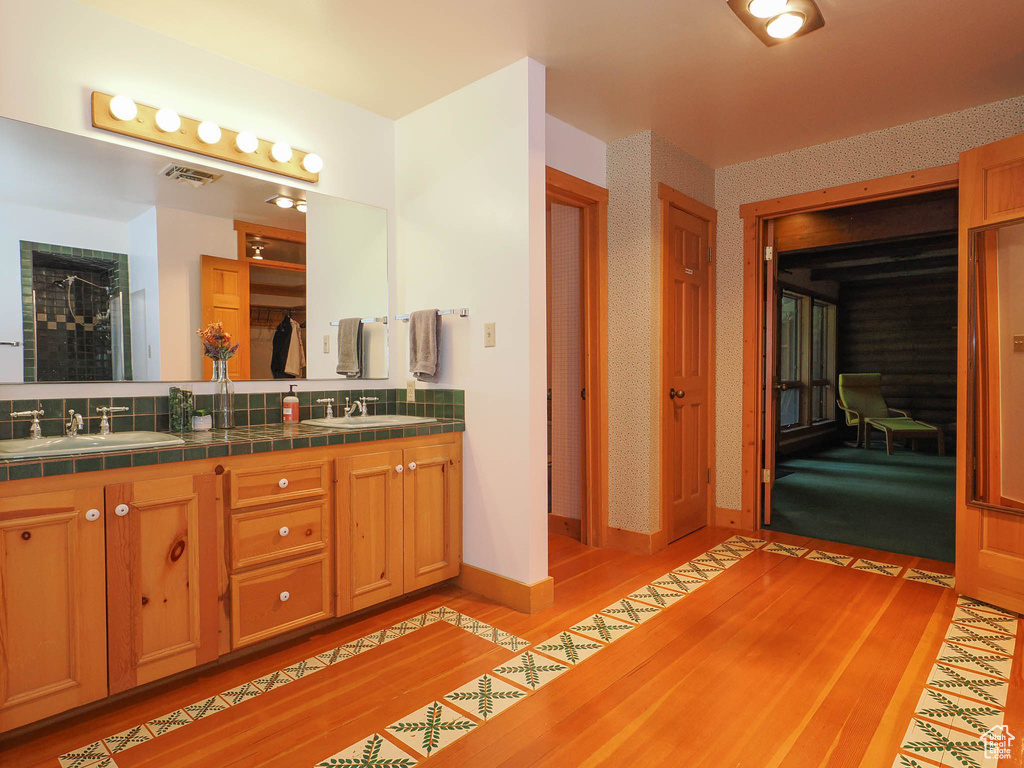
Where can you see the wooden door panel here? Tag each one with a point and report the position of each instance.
(225, 298)
(432, 543)
(369, 509)
(1004, 190)
(162, 580)
(52, 606)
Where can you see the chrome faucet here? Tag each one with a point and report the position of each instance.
(349, 409)
(364, 400)
(75, 423)
(106, 424)
(330, 406)
(35, 431)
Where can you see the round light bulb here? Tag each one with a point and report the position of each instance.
(765, 9)
(786, 25)
(246, 142)
(281, 152)
(167, 120)
(209, 132)
(284, 202)
(301, 206)
(123, 108)
(313, 163)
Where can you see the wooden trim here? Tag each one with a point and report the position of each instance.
(633, 541)
(525, 598)
(755, 216)
(593, 203)
(565, 526)
(672, 197)
(732, 518)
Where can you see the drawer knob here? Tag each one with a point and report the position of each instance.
(92, 514)
(284, 530)
(399, 469)
(284, 596)
(412, 465)
(121, 510)
(283, 482)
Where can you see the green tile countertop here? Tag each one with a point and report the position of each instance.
(217, 443)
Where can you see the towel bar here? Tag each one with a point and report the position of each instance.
(367, 320)
(464, 312)
(10, 343)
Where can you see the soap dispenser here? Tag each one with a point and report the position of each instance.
(290, 406)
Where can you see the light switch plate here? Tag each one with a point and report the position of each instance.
(327, 345)
(410, 391)
(489, 339)
(1018, 342)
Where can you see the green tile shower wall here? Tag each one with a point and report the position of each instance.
(253, 409)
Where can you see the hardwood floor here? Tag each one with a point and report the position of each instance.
(776, 661)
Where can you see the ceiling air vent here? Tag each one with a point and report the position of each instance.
(185, 175)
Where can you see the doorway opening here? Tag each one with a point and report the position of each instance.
(577, 352)
(860, 374)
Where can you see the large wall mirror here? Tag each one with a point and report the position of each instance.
(113, 257)
(996, 365)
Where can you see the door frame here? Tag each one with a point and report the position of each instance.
(754, 216)
(592, 201)
(669, 198)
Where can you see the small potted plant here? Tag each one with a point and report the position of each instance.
(217, 346)
(202, 421)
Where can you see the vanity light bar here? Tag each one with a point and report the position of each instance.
(119, 114)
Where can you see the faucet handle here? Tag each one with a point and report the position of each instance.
(325, 400)
(35, 430)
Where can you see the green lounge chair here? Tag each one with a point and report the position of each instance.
(860, 397)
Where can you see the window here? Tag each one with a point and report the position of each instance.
(807, 360)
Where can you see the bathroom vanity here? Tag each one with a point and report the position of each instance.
(117, 577)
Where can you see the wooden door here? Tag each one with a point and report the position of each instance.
(686, 268)
(53, 619)
(369, 514)
(433, 529)
(162, 596)
(990, 526)
(771, 391)
(225, 299)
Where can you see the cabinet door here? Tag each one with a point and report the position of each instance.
(433, 515)
(53, 634)
(162, 596)
(369, 510)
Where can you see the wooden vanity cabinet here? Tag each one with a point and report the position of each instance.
(162, 601)
(53, 619)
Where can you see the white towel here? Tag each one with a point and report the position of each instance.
(425, 345)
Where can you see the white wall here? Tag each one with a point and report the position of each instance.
(39, 225)
(182, 238)
(143, 275)
(54, 53)
(570, 150)
(470, 199)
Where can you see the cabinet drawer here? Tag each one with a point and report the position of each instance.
(266, 535)
(291, 482)
(279, 598)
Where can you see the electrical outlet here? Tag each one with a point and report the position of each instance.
(410, 391)
(489, 339)
(327, 345)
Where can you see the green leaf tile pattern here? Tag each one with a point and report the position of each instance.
(993, 664)
(172, 721)
(206, 707)
(432, 728)
(790, 550)
(830, 558)
(981, 639)
(997, 623)
(656, 595)
(602, 628)
(939, 743)
(569, 648)
(679, 582)
(83, 756)
(631, 611)
(127, 739)
(929, 577)
(486, 696)
(698, 571)
(880, 568)
(987, 689)
(958, 712)
(531, 671)
(374, 752)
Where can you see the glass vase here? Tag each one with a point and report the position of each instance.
(223, 396)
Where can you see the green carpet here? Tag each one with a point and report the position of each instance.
(903, 503)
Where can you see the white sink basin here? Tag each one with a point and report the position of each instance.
(27, 448)
(369, 422)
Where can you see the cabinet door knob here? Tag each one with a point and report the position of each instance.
(283, 482)
(92, 514)
(284, 530)
(412, 465)
(399, 469)
(121, 510)
(284, 596)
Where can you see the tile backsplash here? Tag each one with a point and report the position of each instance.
(252, 409)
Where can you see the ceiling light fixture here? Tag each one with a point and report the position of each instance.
(283, 201)
(122, 115)
(765, 9)
(777, 21)
(167, 120)
(300, 206)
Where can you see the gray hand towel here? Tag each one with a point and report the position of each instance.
(425, 345)
(350, 347)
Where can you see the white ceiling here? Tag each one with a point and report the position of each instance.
(687, 69)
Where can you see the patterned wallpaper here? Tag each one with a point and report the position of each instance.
(909, 147)
(636, 164)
